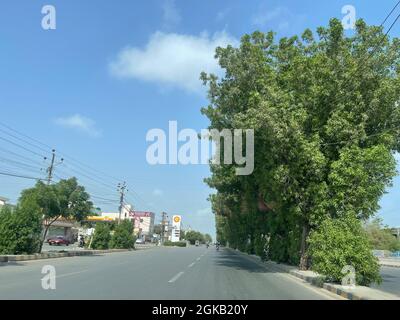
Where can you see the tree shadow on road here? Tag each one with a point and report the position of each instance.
(228, 259)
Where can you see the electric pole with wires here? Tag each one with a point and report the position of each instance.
(163, 225)
(50, 169)
(122, 189)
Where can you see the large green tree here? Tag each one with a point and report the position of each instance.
(326, 115)
(65, 199)
(381, 237)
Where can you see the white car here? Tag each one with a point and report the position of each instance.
(140, 241)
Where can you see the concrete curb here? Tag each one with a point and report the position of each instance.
(52, 255)
(340, 292)
(389, 265)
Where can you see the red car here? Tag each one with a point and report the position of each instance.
(58, 241)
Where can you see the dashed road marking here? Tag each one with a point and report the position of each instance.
(176, 277)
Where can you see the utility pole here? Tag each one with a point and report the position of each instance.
(122, 189)
(50, 169)
(163, 220)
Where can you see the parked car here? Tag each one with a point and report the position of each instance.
(140, 241)
(58, 241)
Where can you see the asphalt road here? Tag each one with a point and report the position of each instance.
(390, 280)
(159, 273)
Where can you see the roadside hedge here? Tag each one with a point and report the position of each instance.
(175, 244)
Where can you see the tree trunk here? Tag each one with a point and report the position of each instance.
(304, 259)
(46, 229)
(45, 234)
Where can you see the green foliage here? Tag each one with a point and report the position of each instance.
(157, 229)
(380, 237)
(175, 244)
(65, 199)
(101, 237)
(207, 238)
(342, 242)
(20, 230)
(326, 118)
(193, 236)
(123, 237)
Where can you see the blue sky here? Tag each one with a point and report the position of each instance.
(112, 70)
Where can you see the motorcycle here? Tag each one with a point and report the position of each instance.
(82, 242)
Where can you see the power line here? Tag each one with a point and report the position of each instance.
(83, 168)
(8, 152)
(23, 140)
(22, 147)
(19, 176)
(365, 65)
(390, 13)
(105, 199)
(366, 137)
(90, 178)
(79, 163)
(19, 164)
(24, 135)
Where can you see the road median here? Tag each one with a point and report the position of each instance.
(64, 254)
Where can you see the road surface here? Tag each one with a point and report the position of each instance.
(159, 273)
(390, 280)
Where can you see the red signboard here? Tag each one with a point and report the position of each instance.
(140, 214)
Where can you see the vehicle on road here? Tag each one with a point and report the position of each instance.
(140, 241)
(197, 243)
(81, 241)
(58, 241)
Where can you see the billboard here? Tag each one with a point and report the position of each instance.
(176, 228)
(141, 214)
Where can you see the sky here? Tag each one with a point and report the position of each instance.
(113, 70)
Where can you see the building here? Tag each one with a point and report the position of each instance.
(396, 232)
(125, 213)
(3, 201)
(63, 227)
(144, 223)
(143, 220)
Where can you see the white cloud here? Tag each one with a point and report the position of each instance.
(79, 123)
(171, 14)
(158, 192)
(174, 60)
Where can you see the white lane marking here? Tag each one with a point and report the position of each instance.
(192, 264)
(176, 277)
(198, 259)
(71, 274)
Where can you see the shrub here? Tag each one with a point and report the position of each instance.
(101, 237)
(20, 231)
(341, 242)
(123, 237)
(175, 244)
